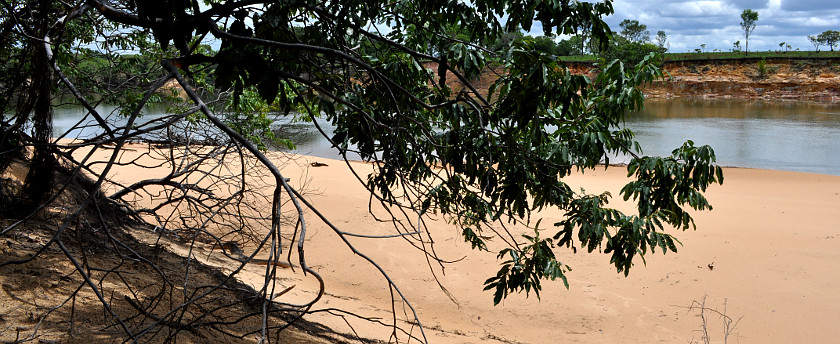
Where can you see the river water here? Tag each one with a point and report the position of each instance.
(789, 136)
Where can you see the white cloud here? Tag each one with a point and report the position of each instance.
(698, 9)
(808, 5)
(821, 22)
(715, 22)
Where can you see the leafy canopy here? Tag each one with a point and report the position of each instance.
(748, 19)
(634, 31)
(479, 159)
(829, 38)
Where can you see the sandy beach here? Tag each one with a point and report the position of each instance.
(772, 241)
(767, 255)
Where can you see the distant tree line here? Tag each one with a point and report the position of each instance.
(630, 45)
(633, 42)
(749, 18)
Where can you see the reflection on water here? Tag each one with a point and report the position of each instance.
(308, 139)
(770, 135)
(74, 122)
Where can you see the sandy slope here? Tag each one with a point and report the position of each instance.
(773, 241)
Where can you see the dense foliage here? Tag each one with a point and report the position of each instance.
(632, 52)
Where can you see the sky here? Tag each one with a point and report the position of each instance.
(715, 23)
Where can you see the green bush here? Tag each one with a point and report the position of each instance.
(630, 53)
(762, 68)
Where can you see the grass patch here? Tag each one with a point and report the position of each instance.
(711, 56)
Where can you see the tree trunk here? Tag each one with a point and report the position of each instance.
(39, 179)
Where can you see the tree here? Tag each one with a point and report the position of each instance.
(567, 47)
(631, 53)
(661, 39)
(736, 46)
(583, 37)
(829, 38)
(545, 44)
(748, 19)
(479, 160)
(634, 31)
(580, 44)
(816, 41)
(505, 40)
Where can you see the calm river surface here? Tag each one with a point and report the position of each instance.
(794, 136)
